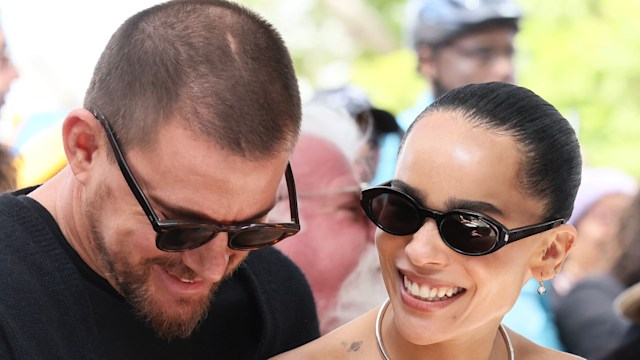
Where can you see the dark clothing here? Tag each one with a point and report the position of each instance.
(629, 348)
(586, 320)
(53, 306)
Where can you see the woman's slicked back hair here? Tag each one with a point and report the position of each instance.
(551, 163)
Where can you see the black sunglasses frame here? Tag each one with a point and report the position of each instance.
(163, 227)
(504, 235)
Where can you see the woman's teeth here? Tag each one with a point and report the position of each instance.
(424, 292)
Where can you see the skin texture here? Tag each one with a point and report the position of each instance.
(104, 223)
(334, 230)
(446, 161)
(597, 230)
(8, 72)
(477, 57)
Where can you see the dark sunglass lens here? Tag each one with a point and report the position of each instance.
(394, 214)
(256, 238)
(468, 233)
(184, 238)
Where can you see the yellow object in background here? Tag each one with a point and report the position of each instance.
(40, 153)
(41, 158)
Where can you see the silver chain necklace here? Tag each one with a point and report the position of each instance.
(385, 305)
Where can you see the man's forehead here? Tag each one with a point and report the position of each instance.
(190, 173)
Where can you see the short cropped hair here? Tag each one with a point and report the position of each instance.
(551, 164)
(215, 65)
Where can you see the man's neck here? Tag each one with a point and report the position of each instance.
(61, 196)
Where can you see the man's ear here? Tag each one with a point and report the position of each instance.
(552, 252)
(81, 137)
(426, 62)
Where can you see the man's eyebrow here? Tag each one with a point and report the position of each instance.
(474, 205)
(193, 215)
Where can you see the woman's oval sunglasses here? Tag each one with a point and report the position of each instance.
(466, 232)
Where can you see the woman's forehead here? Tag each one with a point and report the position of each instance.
(446, 157)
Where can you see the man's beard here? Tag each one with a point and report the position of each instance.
(437, 88)
(187, 312)
(133, 281)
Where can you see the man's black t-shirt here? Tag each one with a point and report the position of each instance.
(265, 308)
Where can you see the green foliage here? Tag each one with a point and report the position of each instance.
(579, 55)
(392, 81)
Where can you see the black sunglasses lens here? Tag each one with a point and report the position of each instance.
(257, 238)
(468, 233)
(180, 239)
(394, 213)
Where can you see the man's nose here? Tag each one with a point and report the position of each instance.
(503, 69)
(209, 261)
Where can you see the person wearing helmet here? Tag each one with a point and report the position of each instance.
(461, 42)
(457, 42)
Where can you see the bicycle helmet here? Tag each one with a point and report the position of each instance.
(433, 22)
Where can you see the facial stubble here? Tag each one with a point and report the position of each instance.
(133, 280)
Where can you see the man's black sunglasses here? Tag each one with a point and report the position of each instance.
(177, 235)
(466, 232)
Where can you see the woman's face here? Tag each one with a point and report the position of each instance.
(447, 163)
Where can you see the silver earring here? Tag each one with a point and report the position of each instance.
(541, 290)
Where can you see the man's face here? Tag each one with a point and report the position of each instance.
(185, 178)
(8, 72)
(335, 229)
(478, 57)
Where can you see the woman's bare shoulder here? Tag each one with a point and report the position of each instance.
(354, 340)
(528, 350)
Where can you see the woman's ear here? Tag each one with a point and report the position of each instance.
(81, 137)
(551, 254)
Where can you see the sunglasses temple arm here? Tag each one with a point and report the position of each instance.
(293, 197)
(527, 231)
(126, 172)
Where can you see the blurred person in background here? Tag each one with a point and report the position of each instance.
(361, 291)
(374, 124)
(334, 229)
(456, 42)
(603, 263)
(8, 73)
(7, 169)
(337, 152)
(627, 304)
(35, 142)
